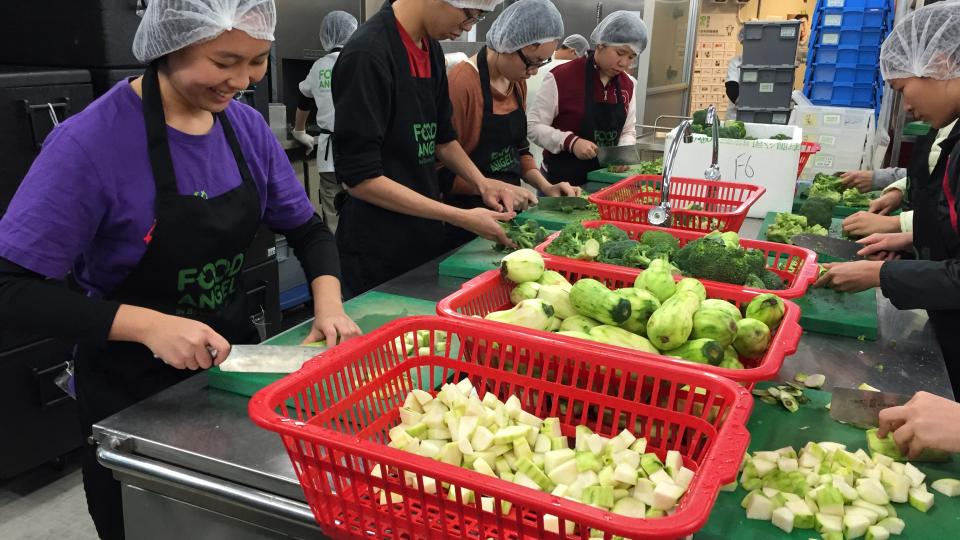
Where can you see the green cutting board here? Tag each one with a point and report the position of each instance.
(607, 177)
(554, 220)
(474, 258)
(837, 314)
(370, 311)
(773, 427)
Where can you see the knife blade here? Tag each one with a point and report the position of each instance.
(618, 155)
(862, 407)
(268, 358)
(838, 248)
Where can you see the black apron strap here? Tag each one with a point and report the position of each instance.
(235, 147)
(157, 144)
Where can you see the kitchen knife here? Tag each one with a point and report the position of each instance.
(268, 358)
(862, 407)
(845, 250)
(618, 155)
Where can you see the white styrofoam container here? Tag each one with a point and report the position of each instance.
(765, 162)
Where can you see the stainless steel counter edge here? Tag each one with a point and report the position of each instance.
(130, 464)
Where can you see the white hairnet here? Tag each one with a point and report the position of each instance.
(170, 25)
(525, 23)
(925, 44)
(621, 28)
(578, 43)
(336, 28)
(484, 5)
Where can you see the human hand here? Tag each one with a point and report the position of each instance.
(926, 421)
(619, 168)
(486, 224)
(305, 139)
(504, 197)
(851, 277)
(185, 343)
(862, 180)
(562, 189)
(886, 203)
(332, 324)
(885, 246)
(584, 149)
(865, 224)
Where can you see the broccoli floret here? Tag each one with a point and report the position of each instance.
(711, 258)
(637, 256)
(771, 281)
(571, 241)
(824, 192)
(739, 129)
(828, 182)
(700, 117)
(818, 211)
(785, 227)
(818, 230)
(609, 233)
(614, 252)
(754, 282)
(661, 244)
(852, 197)
(528, 235)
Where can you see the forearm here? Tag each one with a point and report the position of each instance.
(390, 195)
(536, 179)
(921, 284)
(886, 177)
(132, 323)
(453, 156)
(326, 295)
(300, 120)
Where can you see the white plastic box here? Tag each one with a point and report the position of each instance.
(765, 162)
(845, 136)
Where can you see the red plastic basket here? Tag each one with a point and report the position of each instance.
(489, 292)
(334, 415)
(722, 205)
(796, 265)
(807, 149)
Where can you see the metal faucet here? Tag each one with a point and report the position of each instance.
(660, 214)
(713, 171)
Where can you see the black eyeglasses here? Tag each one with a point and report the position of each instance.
(532, 65)
(473, 16)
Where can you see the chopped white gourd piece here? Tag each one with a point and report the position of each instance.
(872, 491)
(665, 496)
(892, 525)
(760, 507)
(876, 532)
(920, 499)
(915, 475)
(854, 526)
(782, 518)
(947, 486)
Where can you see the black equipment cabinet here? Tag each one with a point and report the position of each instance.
(30, 98)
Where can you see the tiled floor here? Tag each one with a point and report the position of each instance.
(46, 503)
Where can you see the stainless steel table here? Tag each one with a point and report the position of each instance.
(194, 466)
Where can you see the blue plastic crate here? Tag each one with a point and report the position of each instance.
(862, 37)
(842, 94)
(853, 19)
(851, 73)
(856, 4)
(844, 54)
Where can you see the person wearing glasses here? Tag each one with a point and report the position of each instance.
(589, 102)
(487, 92)
(393, 122)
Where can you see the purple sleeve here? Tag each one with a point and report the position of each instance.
(287, 206)
(57, 210)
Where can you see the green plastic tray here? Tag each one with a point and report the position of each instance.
(772, 427)
(370, 311)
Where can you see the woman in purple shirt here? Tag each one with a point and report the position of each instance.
(149, 199)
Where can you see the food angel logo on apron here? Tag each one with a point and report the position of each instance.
(426, 136)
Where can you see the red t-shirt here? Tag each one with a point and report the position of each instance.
(419, 58)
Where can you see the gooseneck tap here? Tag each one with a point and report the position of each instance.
(660, 214)
(713, 171)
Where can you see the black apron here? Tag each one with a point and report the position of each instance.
(602, 123)
(191, 269)
(376, 244)
(496, 155)
(935, 238)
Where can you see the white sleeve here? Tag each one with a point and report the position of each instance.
(629, 133)
(305, 87)
(540, 116)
